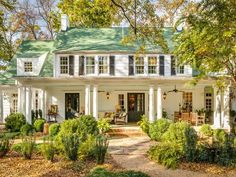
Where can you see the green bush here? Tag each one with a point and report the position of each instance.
(101, 148)
(16, 148)
(220, 135)
(48, 150)
(71, 145)
(5, 145)
(27, 129)
(84, 126)
(38, 125)
(101, 172)
(144, 124)
(27, 147)
(158, 128)
(86, 149)
(14, 122)
(167, 154)
(87, 126)
(206, 130)
(103, 125)
(54, 129)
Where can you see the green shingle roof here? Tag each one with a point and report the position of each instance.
(30, 49)
(102, 39)
(76, 39)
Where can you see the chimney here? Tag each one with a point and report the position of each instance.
(64, 22)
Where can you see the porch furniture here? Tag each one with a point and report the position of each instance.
(107, 115)
(52, 112)
(186, 117)
(194, 117)
(200, 120)
(121, 117)
(177, 116)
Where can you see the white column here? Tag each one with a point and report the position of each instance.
(95, 102)
(28, 104)
(217, 109)
(87, 100)
(151, 104)
(19, 99)
(226, 109)
(1, 105)
(159, 103)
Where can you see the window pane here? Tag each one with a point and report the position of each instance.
(64, 65)
(152, 65)
(139, 65)
(90, 65)
(103, 64)
(28, 66)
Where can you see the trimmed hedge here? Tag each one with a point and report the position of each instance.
(38, 125)
(14, 122)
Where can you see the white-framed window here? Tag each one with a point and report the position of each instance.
(14, 103)
(121, 101)
(208, 101)
(28, 66)
(187, 101)
(64, 65)
(181, 69)
(103, 64)
(90, 64)
(139, 65)
(152, 65)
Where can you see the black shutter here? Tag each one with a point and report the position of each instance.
(131, 65)
(173, 66)
(81, 65)
(112, 65)
(71, 65)
(161, 65)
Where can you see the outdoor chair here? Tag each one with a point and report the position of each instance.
(121, 118)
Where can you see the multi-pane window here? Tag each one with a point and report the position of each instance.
(36, 100)
(90, 65)
(152, 65)
(208, 101)
(181, 69)
(187, 101)
(103, 64)
(139, 65)
(28, 67)
(14, 103)
(121, 101)
(64, 65)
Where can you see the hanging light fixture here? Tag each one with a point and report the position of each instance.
(108, 95)
(175, 90)
(164, 95)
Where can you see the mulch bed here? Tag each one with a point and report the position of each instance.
(15, 166)
(208, 168)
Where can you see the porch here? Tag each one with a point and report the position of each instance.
(155, 99)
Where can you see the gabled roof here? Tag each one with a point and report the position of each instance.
(103, 40)
(30, 49)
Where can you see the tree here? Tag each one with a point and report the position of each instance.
(208, 41)
(87, 13)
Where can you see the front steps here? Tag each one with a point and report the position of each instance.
(125, 131)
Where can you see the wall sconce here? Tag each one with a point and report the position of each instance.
(164, 95)
(108, 95)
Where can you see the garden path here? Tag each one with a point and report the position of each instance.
(130, 154)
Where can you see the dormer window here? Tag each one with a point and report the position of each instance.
(28, 67)
(152, 65)
(64, 65)
(181, 69)
(103, 64)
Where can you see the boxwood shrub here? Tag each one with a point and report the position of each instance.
(15, 121)
(158, 128)
(38, 125)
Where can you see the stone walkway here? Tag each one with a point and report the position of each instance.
(129, 153)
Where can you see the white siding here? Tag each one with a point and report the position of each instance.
(121, 65)
(167, 65)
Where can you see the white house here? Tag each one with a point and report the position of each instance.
(89, 70)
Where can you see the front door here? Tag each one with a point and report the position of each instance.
(72, 104)
(136, 106)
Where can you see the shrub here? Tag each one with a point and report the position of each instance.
(84, 126)
(101, 148)
(16, 148)
(167, 154)
(14, 122)
(38, 125)
(87, 126)
(27, 147)
(48, 150)
(206, 130)
(71, 145)
(54, 129)
(158, 128)
(103, 125)
(86, 149)
(101, 172)
(219, 135)
(27, 129)
(5, 145)
(144, 124)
